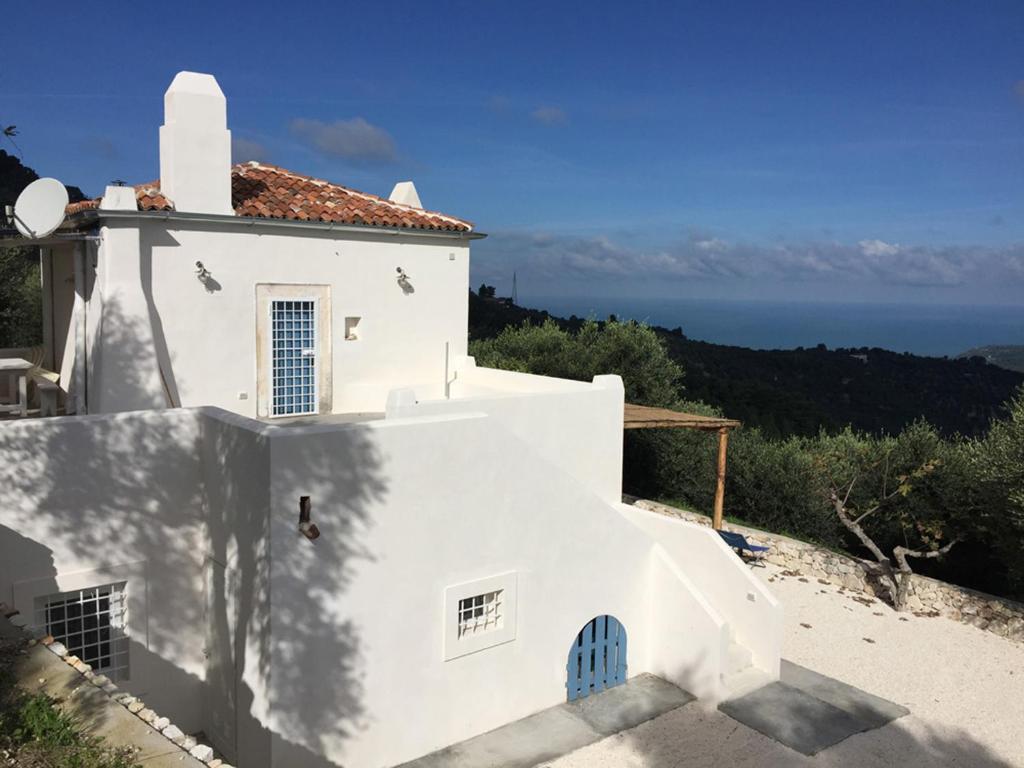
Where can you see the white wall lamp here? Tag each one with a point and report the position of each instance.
(403, 281)
(206, 278)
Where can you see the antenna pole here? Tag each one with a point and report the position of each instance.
(515, 292)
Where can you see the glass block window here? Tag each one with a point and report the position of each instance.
(480, 613)
(91, 624)
(293, 357)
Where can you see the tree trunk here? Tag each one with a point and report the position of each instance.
(884, 569)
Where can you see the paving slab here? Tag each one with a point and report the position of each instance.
(809, 712)
(626, 706)
(561, 729)
(792, 717)
(874, 710)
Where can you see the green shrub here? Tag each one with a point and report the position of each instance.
(35, 733)
(973, 489)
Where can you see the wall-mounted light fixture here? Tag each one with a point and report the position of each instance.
(206, 278)
(403, 281)
(306, 526)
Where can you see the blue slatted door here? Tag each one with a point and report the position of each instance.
(293, 342)
(597, 659)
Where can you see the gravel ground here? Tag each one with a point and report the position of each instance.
(964, 688)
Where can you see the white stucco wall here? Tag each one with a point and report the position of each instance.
(751, 611)
(575, 425)
(154, 316)
(407, 508)
(87, 501)
(290, 652)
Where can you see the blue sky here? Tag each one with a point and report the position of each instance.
(871, 151)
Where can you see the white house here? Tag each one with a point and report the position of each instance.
(290, 511)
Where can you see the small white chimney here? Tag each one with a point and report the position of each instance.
(195, 146)
(119, 198)
(405, 193)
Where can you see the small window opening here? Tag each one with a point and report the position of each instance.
(352, 328)
(480, 613)
(91, 624)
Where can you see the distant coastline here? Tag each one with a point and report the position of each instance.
(1008, 356)
(929, 330)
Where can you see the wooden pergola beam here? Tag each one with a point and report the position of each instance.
(646, 417)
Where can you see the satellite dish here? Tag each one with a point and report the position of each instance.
(40, 208)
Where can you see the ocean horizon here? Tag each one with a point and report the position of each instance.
(933, 330)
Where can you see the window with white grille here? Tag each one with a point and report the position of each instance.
(293, 357)
(480, 613)
(91, 624)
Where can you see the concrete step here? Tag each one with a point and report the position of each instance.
(736, 660)
(743, 682)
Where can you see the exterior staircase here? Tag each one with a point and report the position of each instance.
(739, 676)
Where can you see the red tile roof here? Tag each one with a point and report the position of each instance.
(265, 191)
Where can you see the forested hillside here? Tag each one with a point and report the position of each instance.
(801, 391)
(1009, 356)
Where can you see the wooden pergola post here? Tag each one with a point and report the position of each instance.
(723, 441)
(646, 417)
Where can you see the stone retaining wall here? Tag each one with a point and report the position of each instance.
(928, 597)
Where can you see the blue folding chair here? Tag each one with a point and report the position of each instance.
(739, 542)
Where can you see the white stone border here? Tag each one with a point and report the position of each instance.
(201, 752)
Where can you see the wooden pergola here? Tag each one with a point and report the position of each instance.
(646, 417)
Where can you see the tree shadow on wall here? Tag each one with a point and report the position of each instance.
(298, 687)
(179, 490)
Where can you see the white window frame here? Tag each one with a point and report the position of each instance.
(457, 644)
(133, 574)
(118, 662)
(316, 355)
(264, 293)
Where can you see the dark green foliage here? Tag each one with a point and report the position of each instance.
(629, 349)
(801, 391)
(998, 462)
(970, 489)
(21, 300)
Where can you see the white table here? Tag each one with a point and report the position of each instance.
(16, 370)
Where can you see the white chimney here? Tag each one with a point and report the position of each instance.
(117, 198)
(195, 145)
(405, 193)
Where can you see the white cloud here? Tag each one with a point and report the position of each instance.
(870, 262)
(878, 248)
(243, 150)
(356, 140)
(550, 115)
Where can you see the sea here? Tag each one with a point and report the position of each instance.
(933, 330)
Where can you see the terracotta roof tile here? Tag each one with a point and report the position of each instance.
(265, 191)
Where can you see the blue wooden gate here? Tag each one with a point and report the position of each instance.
(597, 659)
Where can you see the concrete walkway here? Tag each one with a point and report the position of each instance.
(961, 684)
(560, 730)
